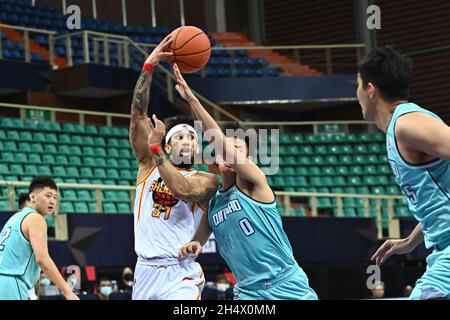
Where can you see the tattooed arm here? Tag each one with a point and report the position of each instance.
(196, 187)
(139, 124)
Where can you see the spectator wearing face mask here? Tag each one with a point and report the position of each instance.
(104, 289)
(222, 289)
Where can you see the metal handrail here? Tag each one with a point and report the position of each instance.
(8, 26)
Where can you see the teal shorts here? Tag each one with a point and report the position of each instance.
(12, 288)
(291, 285)
(435, 282)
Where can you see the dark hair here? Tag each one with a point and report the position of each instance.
(179, 119)
(390, 71)
(23, 197)
(103, 278)
(42, 182)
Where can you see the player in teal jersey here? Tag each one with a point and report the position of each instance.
(418, 148)
(245, 221)
(23, 246)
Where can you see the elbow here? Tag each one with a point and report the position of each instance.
(41, 260)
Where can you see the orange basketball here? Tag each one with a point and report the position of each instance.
(191, 49)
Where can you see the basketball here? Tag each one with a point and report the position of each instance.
(191, 49)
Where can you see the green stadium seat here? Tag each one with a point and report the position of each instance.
(338, 138)
(4, 169)
(92, 207)
(88, 141)
(113, 143)
(100, 152)
(370, 180)
(64, 139)
(24, 147)
(81, 207)
(321, 149)
(63, 149)
(101, 162)
(278, 181)
(342, 170)
(339, 181)
(364, 137)
(48, 159)
(345, 159)
(351, 190)
(125, 153)
(21, 157)
(347, 149)
(124, 163)
(353, 137)
(106, 131)
(125, 143)
(91, 129)
(72, 172)
(360, 148)
(84, 195)
(356, 170)
(285, 139)
(290, 182)
(67, 207)
(75, 150)
(86, 172)
(331, 160)
(73, 128)
(323, 190)
(360, 159)
(350, 212)
(363, 190)
(44, 170)
(8, 157)
(69, 195)
(349, 202)
(16, 169)
(290, 161)
(90, 162)
(25, 136)
(109, 207)
(100, 173)
(12, 135)
(124, 132)
(297, 138)
(314, 171)
(328, 171)
(37, 148)
(112, 174)
(373, 159)
(2, 135)
(61, 159)
(318, 160)
(9, 146)
(324, 202)
(77, 140)
(354, 180)
(89, 152)
(384, 169)
(112, 163)
(126, 174)
(99, 141)
(337, 190)
(370, 169)
(75, 161)
(115, 131)
(51, 138)
(34, 158)
(50, 148)
(378, 191)
(402, 212)
(60, 171)
(393, 190)
(96, 181)
(11, 177)
(31, 170)
(375, 148)
(124, 207)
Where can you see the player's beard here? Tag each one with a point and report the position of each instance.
(183, 161)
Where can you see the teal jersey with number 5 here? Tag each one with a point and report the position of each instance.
(249, 236)
(16, 254)
(426, 186)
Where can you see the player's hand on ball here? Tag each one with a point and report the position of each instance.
(191, 247)
(390, 247)
(157, 131)
(182, 86)
(160, 52)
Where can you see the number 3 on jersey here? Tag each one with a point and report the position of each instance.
(158, 208)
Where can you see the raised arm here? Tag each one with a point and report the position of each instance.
(243, 166)
(196, 187)
(420, 132)
(35, 227)
(139, 124)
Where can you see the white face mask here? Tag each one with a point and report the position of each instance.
(222, 287)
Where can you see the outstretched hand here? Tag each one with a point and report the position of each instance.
(389, 248)
(182, 86)
(157, 131)
(161, 51)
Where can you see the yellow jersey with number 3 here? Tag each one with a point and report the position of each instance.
(162, 223)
